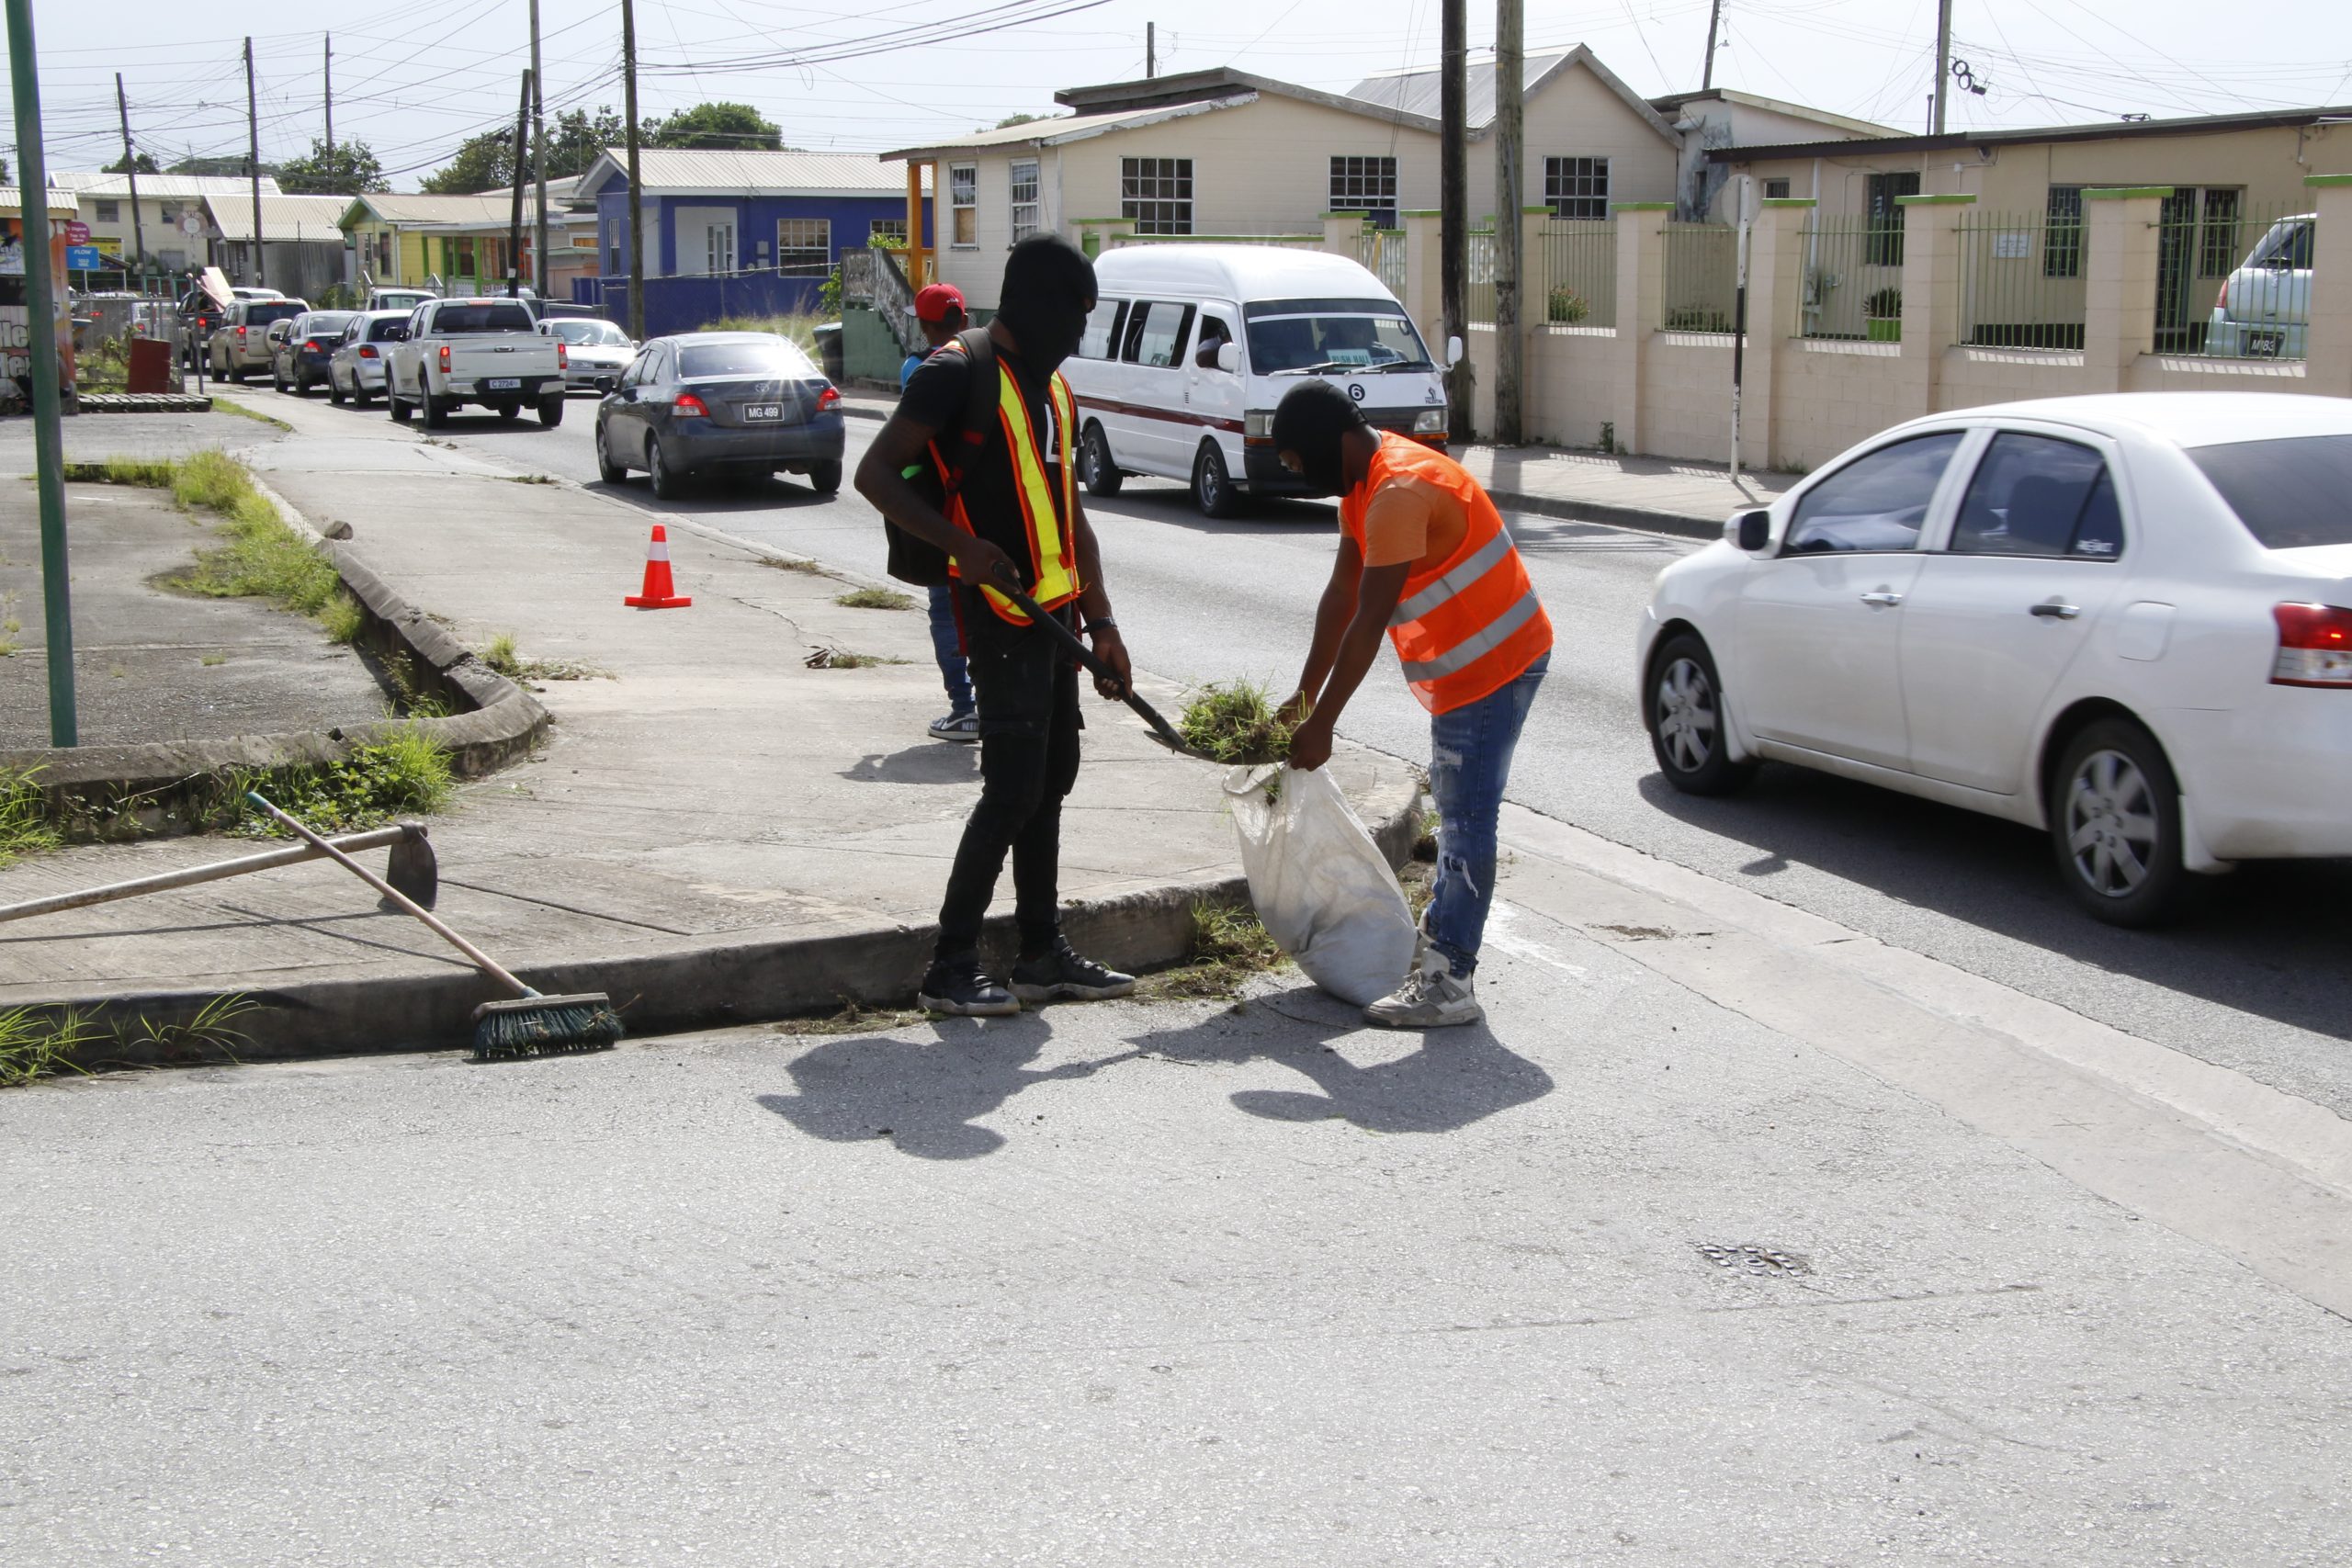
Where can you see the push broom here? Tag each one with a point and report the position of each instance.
(523, 1025)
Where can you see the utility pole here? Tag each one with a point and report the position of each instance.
(130, 168)
(1943, 59)
(514, 220)
(1511, 227)
(253, 166)
(538, 161)
(635, 185)
(42, 360)
(328, 74)
(1150, 50)
(1714, 22)
(1454, 205)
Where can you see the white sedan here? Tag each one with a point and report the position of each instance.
(2127, 619)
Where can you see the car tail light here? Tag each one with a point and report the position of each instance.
(688, 406)
(241, 335)
(2222, 300)
(444, 359)
(562, 356)
(831, 398)
(2314, 646)
(366, 351)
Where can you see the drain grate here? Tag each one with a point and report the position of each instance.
(1747, 1257)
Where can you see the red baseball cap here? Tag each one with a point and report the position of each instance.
(934, 301)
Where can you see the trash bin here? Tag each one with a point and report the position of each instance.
(828, 350)
(151, 366)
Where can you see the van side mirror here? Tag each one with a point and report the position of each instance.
(1228, 358)
(1452, 353)
(1749, 531)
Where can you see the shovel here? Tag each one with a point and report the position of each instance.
(1161, 731)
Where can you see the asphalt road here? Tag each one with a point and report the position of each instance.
(2258, 981)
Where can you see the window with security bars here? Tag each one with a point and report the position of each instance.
(2061, 233)
(1883, 245)
(963, 204)
(2220, 244)
(1577, 188)
(804, 244)
(1363, 184)
(1024, 204)
(1155, 194)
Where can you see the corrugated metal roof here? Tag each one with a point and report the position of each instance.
(1417, 92)
(694, 170)
(1071, 127)
(12, 203)
(164, 188)
(283, 218)
(394, 207)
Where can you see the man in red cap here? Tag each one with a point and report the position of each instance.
(939, 311)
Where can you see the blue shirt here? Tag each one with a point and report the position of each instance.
(907, 371)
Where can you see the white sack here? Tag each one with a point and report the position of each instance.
(1322, 886)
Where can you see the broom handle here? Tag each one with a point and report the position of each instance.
(482, 961)
(1086, 656)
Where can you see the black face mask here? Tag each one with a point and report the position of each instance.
(1048, 293)
(1313, 421)
(1049, 333)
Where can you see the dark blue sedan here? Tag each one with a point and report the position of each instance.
(741, 403)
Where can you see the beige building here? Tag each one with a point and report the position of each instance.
(1226, 154)
(165, 203)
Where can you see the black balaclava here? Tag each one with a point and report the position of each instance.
(1313, 420)
(1048, 293)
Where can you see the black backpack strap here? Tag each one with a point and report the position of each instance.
(980, 403)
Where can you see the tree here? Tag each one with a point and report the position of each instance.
(217, 168)
(727, 126)
(578, 136)
(346, 169)
(145, 164)
(1012, 119)
(483, 162)
(4, 179)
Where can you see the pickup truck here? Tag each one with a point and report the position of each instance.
(485, 351)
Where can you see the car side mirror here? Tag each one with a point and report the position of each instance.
(1452, 353)
(1749, 531)
(1228, 358)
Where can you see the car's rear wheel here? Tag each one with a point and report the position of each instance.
(825, 479)
(1212, 485)
(667, 482)
(436, 410)
(2115, 825)
(237, 374)
(359, 392)
(612, 473)
(334, 389)
(1683, 709)
(1096, 466)
(551, 411)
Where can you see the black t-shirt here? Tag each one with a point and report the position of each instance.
(936, 396)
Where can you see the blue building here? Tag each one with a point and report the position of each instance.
(737, 233)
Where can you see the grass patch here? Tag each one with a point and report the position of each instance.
(800, 329)
(405, 772)
(843, 659)
(854, 1020)
(212, 661)
(786, 563)
(876, 599)
(531, 478)
(1235, 721)
(11, 628)
(224, 405)
(37, 1044)
(25, 828)
(1230, 947)
(501, 657)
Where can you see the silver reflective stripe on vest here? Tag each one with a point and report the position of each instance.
(1472, 648)
(1487, 556)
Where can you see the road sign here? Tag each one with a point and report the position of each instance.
(78, 232)
(83, 258)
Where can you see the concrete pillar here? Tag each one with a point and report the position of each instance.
(1775, 293)
(1343, 233)
(1096, 235)
(1424, 292)
(2120, 244)
(1932, 295)
(1641, 308)
(2327, 342)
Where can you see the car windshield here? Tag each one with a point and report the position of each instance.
(486, 316)
(261, 314)
(774, 357)
(2288, 244)
(323, 323)
(1295, 336)
(388, 330)
(589, 334)
(2291, 493)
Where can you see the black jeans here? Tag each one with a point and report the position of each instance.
(1027, 686)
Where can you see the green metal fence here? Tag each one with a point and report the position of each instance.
(1479, 278)
(2233, 281)
(1702, 276)
(2022, 277)
(1853, 280)
(1575, 265)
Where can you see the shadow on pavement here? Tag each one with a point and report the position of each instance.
(935, 763)
(2268, 939)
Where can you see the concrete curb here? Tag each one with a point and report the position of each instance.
(503, 721)
(1678, 523)
(717, 983)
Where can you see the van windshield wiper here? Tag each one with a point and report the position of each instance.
(1328, 364)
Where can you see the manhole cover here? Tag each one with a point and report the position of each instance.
(1747, 1257)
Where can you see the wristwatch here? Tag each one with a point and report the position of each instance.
(1098, 622)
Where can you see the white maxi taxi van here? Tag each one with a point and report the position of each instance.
(1191, 346)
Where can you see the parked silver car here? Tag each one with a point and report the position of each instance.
(599, 352)
(2266, 305)
(356, 369)
(240, 344)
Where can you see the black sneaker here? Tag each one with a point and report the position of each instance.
(1062, 972)
(957, 987)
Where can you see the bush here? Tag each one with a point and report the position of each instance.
(1567, 307)
(24, 817)
(1885, 304)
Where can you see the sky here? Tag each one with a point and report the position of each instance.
(416, 80)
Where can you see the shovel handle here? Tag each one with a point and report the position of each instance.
(482, 961)
(1096, 667)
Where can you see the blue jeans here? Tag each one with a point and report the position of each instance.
(953, 672)
(1470, 751)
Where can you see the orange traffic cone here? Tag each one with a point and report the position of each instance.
(660, 593)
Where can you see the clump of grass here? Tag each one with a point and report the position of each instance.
(404, 772)
(843, 659)
(1235, 721)
(10, 627)
(36, 1043)
(501, 657)
(224, 405)
(25, 827)
(531, 478)
(786, 563)
(211, 1034)
(1229, 945)
(876, 599)
(149, 473)
(853, 1020)
(211, 661)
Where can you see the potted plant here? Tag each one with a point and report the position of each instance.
(1566, 307)
(1884, 311)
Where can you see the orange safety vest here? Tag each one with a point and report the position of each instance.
(1046, 517)
(1470, 624)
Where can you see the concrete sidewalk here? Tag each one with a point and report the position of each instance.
(714, 830)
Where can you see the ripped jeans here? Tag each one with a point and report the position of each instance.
(1470, 751)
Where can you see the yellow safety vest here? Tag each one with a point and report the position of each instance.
(1053, 550)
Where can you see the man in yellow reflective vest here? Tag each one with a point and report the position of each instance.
(1012, 518)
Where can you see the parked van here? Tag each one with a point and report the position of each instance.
(1192, 346)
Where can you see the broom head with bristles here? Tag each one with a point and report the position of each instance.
(531, 1026)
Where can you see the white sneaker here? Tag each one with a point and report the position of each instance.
(1432, 997)
(962, 728)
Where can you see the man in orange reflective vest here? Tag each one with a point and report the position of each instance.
(1423, 558)
(1012, 519)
